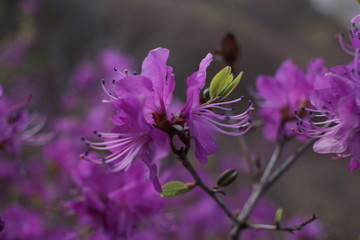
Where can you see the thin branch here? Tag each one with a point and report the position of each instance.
(186, 163)
(288, 162)
(245, 151)
(256, 193)
(290, 229)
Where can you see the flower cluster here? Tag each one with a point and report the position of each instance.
(52, 193)
(146, 126)
(335, 116)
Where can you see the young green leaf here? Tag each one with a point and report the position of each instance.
(217, 80)
(228, 88)
(278, 216)
(175, 188)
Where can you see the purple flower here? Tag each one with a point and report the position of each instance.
(354, 36)
(119, 204)
(201, 119)
(132, 138)
(83, 75)
(336, 112)
(13, 54)
(140, 101)
(21, 223)
(285, 93)
(18, 127)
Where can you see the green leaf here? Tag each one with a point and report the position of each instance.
(226, 178)
(278, 216)
(230, 87)
(175, 188)
(358, 1)
(217, 81)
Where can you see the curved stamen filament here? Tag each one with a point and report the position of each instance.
(107, 91)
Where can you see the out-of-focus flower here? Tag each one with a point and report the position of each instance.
(202, 121)
(21, 223)
(13, 54)
(117, 203)
(110, 58)
(29, 6)
(285, 93)
(18, 127)
(84, 75)
(354, 36)
(336, 113)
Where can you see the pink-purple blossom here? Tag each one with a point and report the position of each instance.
(336, 109)
(18, 127)
(138, 100)
(285, 93)
(203, 121)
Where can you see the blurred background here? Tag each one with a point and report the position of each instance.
(41, 43)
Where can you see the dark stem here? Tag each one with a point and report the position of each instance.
(290, 229)
(186, 163)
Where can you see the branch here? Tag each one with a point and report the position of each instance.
(288, 162)
(245, 151)
(285, 229)
(256, 193)
(186, 163)
(267, 181)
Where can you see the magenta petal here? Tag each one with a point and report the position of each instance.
(353, 164)
(160, 145)
(135, 85)
(204, 143)
(270, 89)
(355, 19)
(129, 112)
(354, 149)
(152, 171)
(329, 145)
(154, 67)
(195, 83)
